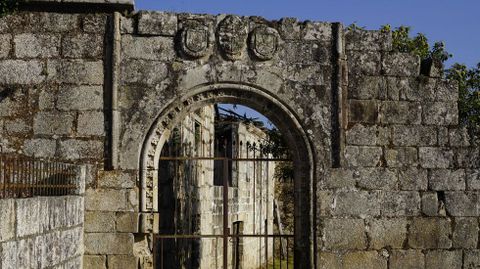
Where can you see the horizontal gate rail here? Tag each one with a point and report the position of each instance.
(23, 177)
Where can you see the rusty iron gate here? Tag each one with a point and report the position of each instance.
(277, 247)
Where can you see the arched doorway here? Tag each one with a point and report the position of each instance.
(279, 113)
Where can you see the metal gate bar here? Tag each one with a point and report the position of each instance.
(226, 235)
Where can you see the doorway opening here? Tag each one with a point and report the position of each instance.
(225, 178)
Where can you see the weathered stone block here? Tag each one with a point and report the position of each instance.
(471, 259)
(401, 203)
(148, 48)
(435, 157)
(356, 203)
(157, 23)
(95, 23)
(17, 127)
(127, 222)
(377, 178)
(21, 72)
(54, 214)
(401, 157)
(325, 203)
(121, 261)
(28, 216)
(363, 156)
(407, 135)
(80, 98)
(428, 233)
(26, 254)
(400, 112)
(75, 72)
(96, 221)
(440, 113)
(73, 149)
(74, 209)
(290, 28)
(446, 179)
(430, 204)
(472, 178)
(36, 46)
(364, 135)
(345, 234)
(411, 179)
(94, 262)
(7, 221)
(52, 22)
(467, 157)
(91, 123)
(43, 148)
(446, 90)
(401, 64)
(367, 88)
(443, 259)
(465, 233)
(127, 25)
(328, 260)
(5, 45)
(116, 179)
(397, 87)
(339, 178)
(459, 137)
(8, 255)
(53, 123)
(359, 39)
(362, 111)
(108, 243)
(82, 46)
(407, 259)
(364, 62)
(387, 233)
(462, 204)
(105, 200)
(420, 89)
(145, 72)
(320, 31)
(364, 259)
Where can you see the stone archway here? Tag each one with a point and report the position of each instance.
(279, 113)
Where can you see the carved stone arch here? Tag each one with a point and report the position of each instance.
(274, 109)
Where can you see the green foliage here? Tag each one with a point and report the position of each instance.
(469, 94)
(418, 45)
(468, 79)
(8, 7)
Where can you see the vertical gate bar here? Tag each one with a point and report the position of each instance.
(161, 253)
(225, 213)
(2, 179)
(288, 254)
(266, 240)
(30, 183)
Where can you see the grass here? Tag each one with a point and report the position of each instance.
(276, 265)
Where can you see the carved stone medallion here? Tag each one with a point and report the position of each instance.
(232, 35)
(264, 42)
(194, 40)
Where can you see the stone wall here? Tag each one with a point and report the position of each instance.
(404, 193)
(385, 176)
(41, 232)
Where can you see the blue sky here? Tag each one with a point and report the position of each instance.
(456, 22)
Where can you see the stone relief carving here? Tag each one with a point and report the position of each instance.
(264, 42)
(194, 40)
(232, 35)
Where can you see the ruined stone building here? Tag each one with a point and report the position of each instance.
(196, 208)
(384, 175)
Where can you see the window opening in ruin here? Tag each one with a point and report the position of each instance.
(216, 201)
